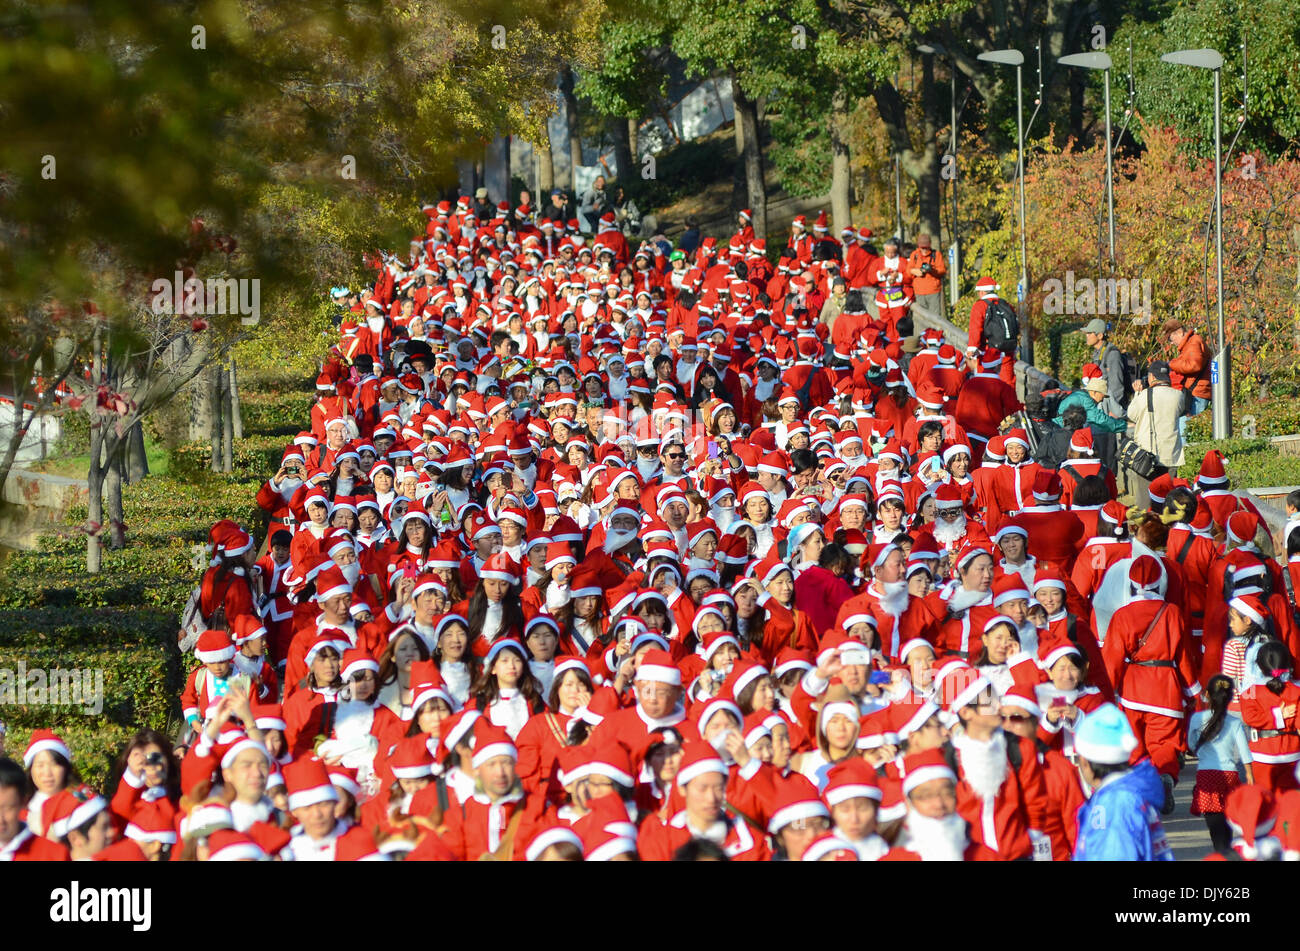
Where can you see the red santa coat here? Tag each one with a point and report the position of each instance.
(1129, 653)
(1013, 486)
(1065, 794)
(658, 840)
(1074, 471)
(1274, 737)
(1001, 823)
(480, 824)
(1094, 560)
(630, 728)
(28, 847)
(983, 402)
(1055, 535)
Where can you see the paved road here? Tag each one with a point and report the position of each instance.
(1187, 833)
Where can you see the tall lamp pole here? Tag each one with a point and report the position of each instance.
(1017, 59)
(1221, 368)
(1101, 60)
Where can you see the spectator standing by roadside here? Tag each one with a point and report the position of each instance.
(560, 209)
(690, 239)
(926, 267)
(1190, 370)
(1109, 357)
(484, 210)
(593, 204)
(1154, 413)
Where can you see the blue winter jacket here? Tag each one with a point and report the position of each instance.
(1121, 822)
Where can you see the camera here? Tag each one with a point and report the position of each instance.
(925, 268)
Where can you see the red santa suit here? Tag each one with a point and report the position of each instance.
(1274, 734)
(1148, 657)
(659, 840)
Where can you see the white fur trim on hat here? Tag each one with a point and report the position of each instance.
(550, 837)
(796, 810)
(493, 750)
(659, 673)
(926, 774)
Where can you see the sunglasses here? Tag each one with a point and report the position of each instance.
(675, 455)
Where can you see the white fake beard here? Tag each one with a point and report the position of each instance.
(894, 600)
(529, 476)
(937, 840)
(543, 339)
(352, 572)
(557, 596)
(248, 665)
(963, 600)
(983, 765)
(723, 516)
(617, 540)
(646, 467)
(945, 533)
(376, 324)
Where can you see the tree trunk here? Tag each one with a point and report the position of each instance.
(214, 435)
(1076, 106)
(841, 192)
(236, 414)
(571, 120)
(116, 518)
(545, 168)
(751, 157)
(95, 509)
(617, 127)
(633, 139)
(95, 475)
(136, 464)
(200, 409)
(920, 166)
(227, 424)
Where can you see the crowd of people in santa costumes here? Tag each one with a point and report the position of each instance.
(592, 552)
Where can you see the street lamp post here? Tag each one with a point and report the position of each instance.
(1017, 59)
(1221, 368)
(1101, 60)
(954, 286)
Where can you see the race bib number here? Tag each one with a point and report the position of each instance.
(1042, 846)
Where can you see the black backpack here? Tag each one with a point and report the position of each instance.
(1001, 326)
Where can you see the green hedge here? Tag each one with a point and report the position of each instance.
(123, 621)
(1250, 463)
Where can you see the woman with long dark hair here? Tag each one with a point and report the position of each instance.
(506, 692)
(1222, 754)
(494, 610)
(145, 770)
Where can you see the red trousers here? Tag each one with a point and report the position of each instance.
(1162, 737)
(1277, 777)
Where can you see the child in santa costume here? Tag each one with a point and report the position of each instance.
(1220, 741)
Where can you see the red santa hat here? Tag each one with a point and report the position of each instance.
(1009, 587)
(698, 759)
(72, 808)
(501, 567)
(796, 798)
(1145, 574)
(853, 778)
(657, 667)
(986, 285)
(1081, 441)
(490, 742)
(924, 767)
(214, 647)
(1052, 649)
(1212, 474)
(1047, 486)
(1021, 695)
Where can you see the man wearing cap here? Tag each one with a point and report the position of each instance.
(1119, 821)
(1154, 412)
(1108, 357)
